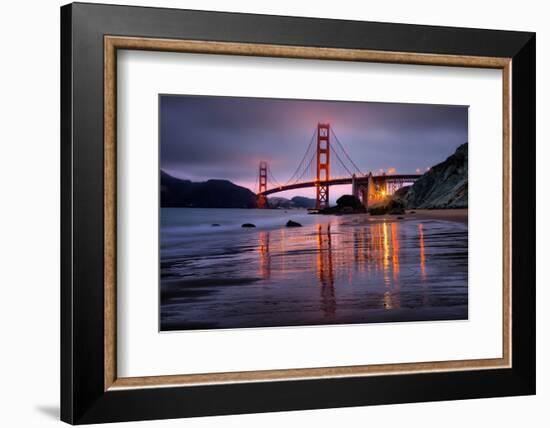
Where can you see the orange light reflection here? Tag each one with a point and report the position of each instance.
(422, 253)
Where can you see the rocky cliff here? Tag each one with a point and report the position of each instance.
(444, 186)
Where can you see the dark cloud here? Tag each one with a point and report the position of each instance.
(226, 137)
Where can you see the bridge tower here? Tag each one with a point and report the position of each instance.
(262, 199)
(323, 164)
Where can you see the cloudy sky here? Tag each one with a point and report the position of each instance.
(226, 137)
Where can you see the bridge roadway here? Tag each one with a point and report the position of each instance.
(342, 180)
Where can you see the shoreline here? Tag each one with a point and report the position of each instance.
(459, 215)
(455, 215)
(277, 219)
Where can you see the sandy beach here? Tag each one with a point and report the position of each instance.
(454, 214)
(459, 215)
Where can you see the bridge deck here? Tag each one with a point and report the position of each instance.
(339, 181)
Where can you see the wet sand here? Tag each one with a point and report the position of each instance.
(454, 214)
(459, 215)
(334, 270)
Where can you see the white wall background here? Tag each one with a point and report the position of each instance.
(29, 216)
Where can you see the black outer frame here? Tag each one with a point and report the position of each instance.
(83, 399)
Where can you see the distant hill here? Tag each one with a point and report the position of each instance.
(175, 192)
(444, 186)
(278, 202)
(303, 202)
(295, 202)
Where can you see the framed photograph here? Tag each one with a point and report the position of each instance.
(267, 213)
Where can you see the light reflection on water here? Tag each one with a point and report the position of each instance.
(379, 248)
(334, 270)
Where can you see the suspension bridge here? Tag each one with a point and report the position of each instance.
(317, 169)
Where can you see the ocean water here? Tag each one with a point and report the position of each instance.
(333, 270)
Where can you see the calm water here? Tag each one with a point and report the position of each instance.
(334, 270)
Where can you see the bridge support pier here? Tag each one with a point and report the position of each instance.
(360, 190)
(354, 187)
(364, 191)
(365, 196)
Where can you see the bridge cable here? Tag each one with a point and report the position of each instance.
(338, 157)
(273, 179)
(344, 150)
(306, 169)
(303, 159)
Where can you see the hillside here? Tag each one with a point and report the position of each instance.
(175, 192)
(444, 186)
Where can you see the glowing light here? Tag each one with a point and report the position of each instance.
(325, 272)
(265, 259)
(422, 254)
(395, 251)
(386, 247)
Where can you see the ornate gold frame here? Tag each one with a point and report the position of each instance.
(113, 43)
